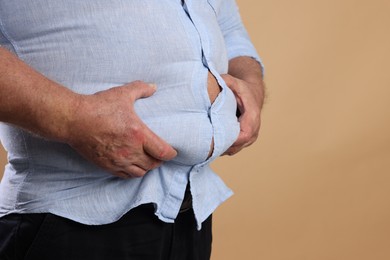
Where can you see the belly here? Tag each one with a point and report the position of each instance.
(213, 89)
(190, 130)
(94, 54)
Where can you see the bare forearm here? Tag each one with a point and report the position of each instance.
(102, 127)
(31, 101)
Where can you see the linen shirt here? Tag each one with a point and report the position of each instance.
(93, 45)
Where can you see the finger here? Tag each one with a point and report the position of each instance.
(122, 175)
(137, 169)
(134, 171)
(234, 84)
(140, 89)
(246, 137)
(238, 145)
(158, 148)
(235, 148)
(148, 162)
(232, 151)
(229, 80)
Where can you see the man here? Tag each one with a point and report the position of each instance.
(112, 112)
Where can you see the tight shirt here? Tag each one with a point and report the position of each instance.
(90, 46)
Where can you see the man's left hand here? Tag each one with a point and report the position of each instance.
(249, 99)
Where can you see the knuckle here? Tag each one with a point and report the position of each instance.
(136, 130)
(137, 82)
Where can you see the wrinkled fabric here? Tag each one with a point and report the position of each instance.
(90, 46)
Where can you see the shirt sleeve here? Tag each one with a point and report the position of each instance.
(236, 37)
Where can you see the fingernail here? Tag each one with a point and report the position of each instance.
(153, 85)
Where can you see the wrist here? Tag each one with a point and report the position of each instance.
(64, 126)
(55, 118)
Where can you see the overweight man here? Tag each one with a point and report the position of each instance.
(111, 112)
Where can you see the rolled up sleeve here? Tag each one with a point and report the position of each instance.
(236, 36)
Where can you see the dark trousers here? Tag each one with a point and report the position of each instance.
(138, 235)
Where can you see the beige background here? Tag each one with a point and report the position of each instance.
(316, 185)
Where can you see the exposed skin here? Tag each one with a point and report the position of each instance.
(245, 79)
(103, 127)
(109, 133)
(213, 90)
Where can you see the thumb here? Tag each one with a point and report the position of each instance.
(140, 89)
(227, 78)
(158, 148)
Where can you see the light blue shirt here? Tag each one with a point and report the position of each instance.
(89, 46)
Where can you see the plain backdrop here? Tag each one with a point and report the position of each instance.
(316, 185)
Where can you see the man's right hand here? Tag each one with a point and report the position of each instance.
(102, 127)
(106, 130)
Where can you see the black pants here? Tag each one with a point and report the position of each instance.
(138, 235)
